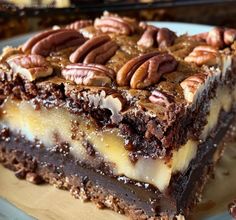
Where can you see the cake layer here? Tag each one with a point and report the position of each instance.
(120, 193)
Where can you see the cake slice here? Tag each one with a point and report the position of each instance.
(122, 113)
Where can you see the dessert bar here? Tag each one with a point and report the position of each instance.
(119, 112)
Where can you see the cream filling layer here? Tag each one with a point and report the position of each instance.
(222, 101)
(44, 124)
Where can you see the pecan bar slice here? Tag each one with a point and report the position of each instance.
(127, 115)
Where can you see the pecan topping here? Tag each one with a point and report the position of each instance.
(191, 85)
(36, 38)
(89, 74)
(30, 66)
(50, 40)
(215, 37)
(160, 98)
(145, 70)
(148, 37)
(165, 37)
(218, 37)
(162, 37)
(79, 24)
(126, 72)
(96, 50)
(204, 55)
(112, 23)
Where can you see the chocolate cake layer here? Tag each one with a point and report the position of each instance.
(133, 198)
(135, 108)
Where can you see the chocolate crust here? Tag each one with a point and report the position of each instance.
(80, 188)
(82, 182)
(134, 199)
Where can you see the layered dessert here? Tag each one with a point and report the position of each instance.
(122, 113)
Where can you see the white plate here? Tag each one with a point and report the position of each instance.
(8, 211)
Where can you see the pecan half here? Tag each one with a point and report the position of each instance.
(126, 72)
(160, 98)
(112, 23)
(79, 24)
(162, 37)
(191, 84)
(204, 55)
(151, 71)
(145, 70)
(229, 36)
(148, 38)
(98, 50)
(165, 37)
(30, 66)
(215, 37)
(89, 74)
(47, 41)
(218, 37)
(36, 38)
